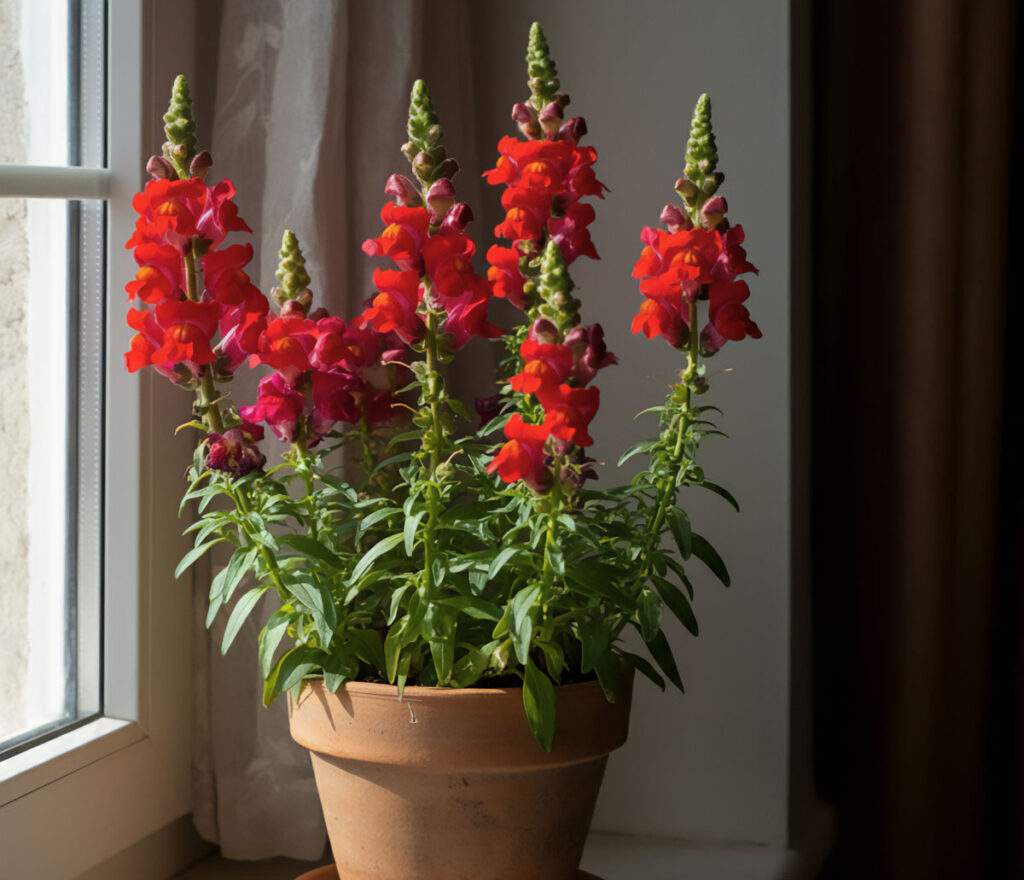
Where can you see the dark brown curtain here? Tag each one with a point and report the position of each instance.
(917, 438)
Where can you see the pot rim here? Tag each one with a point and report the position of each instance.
(436, 692)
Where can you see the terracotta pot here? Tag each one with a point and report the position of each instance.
(450, 784)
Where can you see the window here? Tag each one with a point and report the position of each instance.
(51, 365)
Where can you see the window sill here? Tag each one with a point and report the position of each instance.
(609, 856)
(63, 755)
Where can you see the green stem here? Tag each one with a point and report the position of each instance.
(432, 395)
(206, 393)
(242, 504)
(668, 484)
(551, 538)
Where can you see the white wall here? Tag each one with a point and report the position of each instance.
(711, 765)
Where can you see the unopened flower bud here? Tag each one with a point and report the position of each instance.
(712, 182)
(674, 219)
(160, 169)
(531, 129)
(562, 99)
(459, 216)
(687, 189)
(713, 211)
(402, 189)
(523, 113)
(440, 197)
(545, 332)
(422, 164)
(292, 308)
(488, 408)
(433, 135)
(318, 314)
(574, 129)
(448, 168)
(551, 118)
(409, 150)
(200, 164)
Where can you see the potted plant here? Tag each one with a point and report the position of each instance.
(447, 623)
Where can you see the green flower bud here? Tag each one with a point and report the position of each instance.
(700, 148)
(291, 270)
(540, 69)
(180, 128)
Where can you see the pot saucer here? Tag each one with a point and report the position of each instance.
(329, 872)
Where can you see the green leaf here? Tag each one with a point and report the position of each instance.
(721, 492)
(367, 645)
(189, 558)
(393, 644)
(312, 547)
(709, 556)
(270, 638)
(473, 606)
(459, 408)
(636, 449)
(521, 623)
(321, 606)
(650, 409)
(243, 608)
(371, 519)
(409, 531)
(296, 665)
(677, 603)
(539, 702)
(594, 636)
(679, 523)
(374, 553)
(648, 614)
(662, 654)
(499, 561)
(646, 668)
(554, 658)
(392, 459)
(396, 602)
(609, 674)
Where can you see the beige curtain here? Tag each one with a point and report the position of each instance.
(917, 561)
(311, 101)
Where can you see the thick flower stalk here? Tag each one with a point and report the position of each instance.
(695, 259)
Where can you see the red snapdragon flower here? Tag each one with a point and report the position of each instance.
(286, 345)
(447, 261)
(545, 368)
(522, 457)
(727, 317)
(334, 400)
(569, 411)
(506, 279)
(172, 212)
(226, 279)
(393, 309)
(174, 337)
(344, 345)
(660, 318)
(685, 257)
(404, 234)
(589, 352)
(278, 403)
(160, 276)
(553, 167)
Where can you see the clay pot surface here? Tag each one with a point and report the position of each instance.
(449, 784)
(329, 872)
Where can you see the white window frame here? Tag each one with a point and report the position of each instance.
(78, 800)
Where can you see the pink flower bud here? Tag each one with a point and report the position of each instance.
(200, 164)
(293, 309)
(713, 212)
(160, 169)
(545, 332)
(235, 451)
(402, 189)
(551, 118)
(459, 216)
(687, 189)
(448, 168)
(523, 113)
(674, 219)
(440, 197)
(574, 129)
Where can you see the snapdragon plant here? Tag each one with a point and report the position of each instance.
(456, 557)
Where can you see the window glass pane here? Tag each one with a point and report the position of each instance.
(33, 464)
(35, 89)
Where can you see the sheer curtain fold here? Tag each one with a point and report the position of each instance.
(309, 116)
